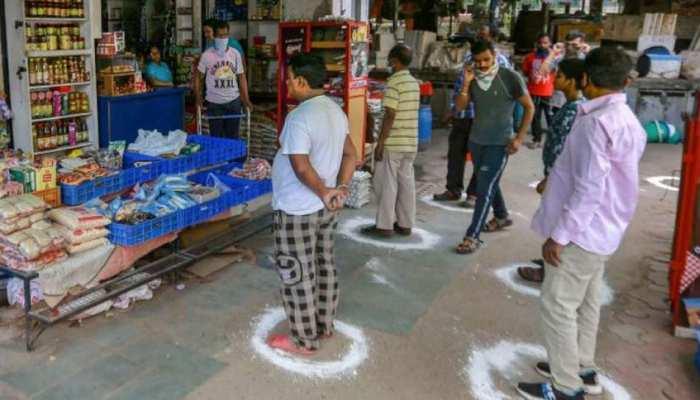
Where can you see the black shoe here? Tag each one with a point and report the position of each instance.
(402, 231)
(545, 391)
(539, 262)
(446, 196)
(591, 385)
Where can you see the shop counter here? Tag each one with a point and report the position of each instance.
(120, 117)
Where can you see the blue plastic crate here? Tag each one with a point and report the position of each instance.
(73, 195)
(133, 235)
(219, 150)
(168, 166)
(253, 188)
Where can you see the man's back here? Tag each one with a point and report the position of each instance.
(403, 96)
(596, 175)
(317, 128)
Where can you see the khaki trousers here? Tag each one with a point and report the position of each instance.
(570, 305)
(395, 187)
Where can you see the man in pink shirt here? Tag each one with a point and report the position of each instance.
(590, 198)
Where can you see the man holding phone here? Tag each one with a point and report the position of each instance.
(458, 142)
(494, 92)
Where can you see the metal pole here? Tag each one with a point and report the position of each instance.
(395, 23)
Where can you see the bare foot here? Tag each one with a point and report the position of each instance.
(326, 335)
(285, 343)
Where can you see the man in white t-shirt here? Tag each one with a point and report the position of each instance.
(222, 68)
(310, 177)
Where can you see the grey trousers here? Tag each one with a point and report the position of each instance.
(395, 187)
(570, 305)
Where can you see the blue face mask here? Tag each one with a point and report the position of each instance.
(220, 44)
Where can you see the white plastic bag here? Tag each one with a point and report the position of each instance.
(153, 143)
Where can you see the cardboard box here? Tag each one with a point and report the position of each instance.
(45, 178)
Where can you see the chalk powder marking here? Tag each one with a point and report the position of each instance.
(378, 269)
(446, 206)
(506, 359)
(658, 181)
(509, 276)
(351, 229)
(355, 356)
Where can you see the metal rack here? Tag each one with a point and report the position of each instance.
(38, 320)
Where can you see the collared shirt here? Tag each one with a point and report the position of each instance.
(562, 122)
(468, 112)
(403, 96)
(592, 190)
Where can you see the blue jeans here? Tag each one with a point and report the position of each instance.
(489, 163)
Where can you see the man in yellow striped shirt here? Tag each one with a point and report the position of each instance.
(394, 181)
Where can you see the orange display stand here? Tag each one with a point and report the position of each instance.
(687, 212)
(344, 46)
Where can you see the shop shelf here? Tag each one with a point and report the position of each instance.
(219, 150)
(49, 19)
(74, 84)
(64, 148)
(62, 117)
(59, 53)
(327, 45)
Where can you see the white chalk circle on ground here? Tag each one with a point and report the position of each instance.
(658, 181)
(447, 206)
(509, 275)
(351, 229)
(510, 360)
(346, 365)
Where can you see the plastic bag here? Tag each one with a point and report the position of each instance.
(77, 236)
(153, 143)
(78, 217)
(213, 180)
(78, 248)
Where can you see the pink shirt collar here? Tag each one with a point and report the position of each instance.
(589, 106)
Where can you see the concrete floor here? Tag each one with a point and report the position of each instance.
(426, 315)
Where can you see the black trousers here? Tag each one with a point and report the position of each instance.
(541, 107)
(456, 157)
(229, 127)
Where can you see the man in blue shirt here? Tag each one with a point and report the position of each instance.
(459, 137)
(157, 72)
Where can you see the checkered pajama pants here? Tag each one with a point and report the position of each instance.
(304, 248)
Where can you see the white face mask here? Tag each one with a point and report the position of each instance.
(220, 44)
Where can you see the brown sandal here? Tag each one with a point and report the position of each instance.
(531, 274)
(468, 246)
(497, 224)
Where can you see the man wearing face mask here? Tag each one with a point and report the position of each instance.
(540, 84)
(494, 92)
(458, 142)
(226, 85)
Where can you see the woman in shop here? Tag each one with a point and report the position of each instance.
(157, 72)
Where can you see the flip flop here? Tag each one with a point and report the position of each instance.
(468, 246)
(286, 344)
